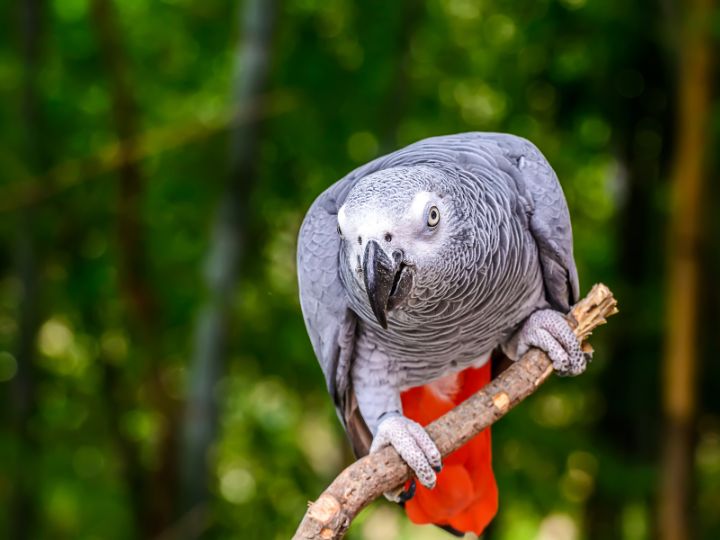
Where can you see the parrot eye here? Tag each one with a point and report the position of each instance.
(433, 216)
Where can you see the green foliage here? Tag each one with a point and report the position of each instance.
(588, 81)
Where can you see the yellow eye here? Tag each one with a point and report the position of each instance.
(433, 216)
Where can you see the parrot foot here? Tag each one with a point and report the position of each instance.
(549, 331)
(414, 445)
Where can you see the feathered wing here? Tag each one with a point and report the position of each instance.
(322, 296)
(549, 222)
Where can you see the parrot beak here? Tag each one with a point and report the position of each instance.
(380, 279)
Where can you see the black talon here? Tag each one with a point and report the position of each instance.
(408, 493)
(437, 469)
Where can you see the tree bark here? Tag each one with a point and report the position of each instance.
(329, 517)
(684, 235)
(223, 263)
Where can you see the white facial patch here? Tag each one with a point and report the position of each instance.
(419, 202)
(341, 217)
(366, 223)
(419, 205)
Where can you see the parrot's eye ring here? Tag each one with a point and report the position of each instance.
(433, 216)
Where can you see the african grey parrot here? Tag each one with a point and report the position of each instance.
(412, 269)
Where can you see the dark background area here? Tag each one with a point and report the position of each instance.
(156, 160)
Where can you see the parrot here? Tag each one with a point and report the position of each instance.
(415, 268)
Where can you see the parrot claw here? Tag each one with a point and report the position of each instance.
(408, 493)
(402, 495)
(549, 331)
(414, 445)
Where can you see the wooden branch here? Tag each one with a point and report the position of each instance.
(365, 480)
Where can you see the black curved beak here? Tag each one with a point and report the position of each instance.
(379, 272)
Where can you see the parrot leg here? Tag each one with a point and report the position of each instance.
(380, 405)
(549, 331)
(414, 445)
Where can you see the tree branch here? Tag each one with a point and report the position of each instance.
(365, 480)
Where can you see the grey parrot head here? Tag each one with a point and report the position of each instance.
(399, 228)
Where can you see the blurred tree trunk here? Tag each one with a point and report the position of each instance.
(684, 235)
(23, 390)
(152, 494)
(224, 259)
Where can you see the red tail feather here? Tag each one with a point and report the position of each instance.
(466, 495)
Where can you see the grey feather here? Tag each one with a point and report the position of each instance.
(549, 221)
(329, 322)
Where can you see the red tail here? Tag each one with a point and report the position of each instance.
(466, 495)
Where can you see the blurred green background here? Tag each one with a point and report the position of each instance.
(156, 160)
